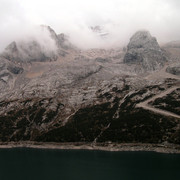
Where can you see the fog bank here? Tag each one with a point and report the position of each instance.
(119, 18)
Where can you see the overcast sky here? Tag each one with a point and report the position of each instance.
(121, 18)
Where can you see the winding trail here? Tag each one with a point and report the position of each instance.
(158, 75)
(146, 106)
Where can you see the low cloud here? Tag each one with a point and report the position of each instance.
(119, 18)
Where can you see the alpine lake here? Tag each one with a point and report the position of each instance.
(51, 164)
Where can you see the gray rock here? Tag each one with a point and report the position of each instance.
(64, 43)
(144, 50)
(15, 69)
(175, 69)
(27, 51)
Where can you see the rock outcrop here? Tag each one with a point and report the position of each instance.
(8, 73)
(174, 69)
(28, 52)
(144, 50)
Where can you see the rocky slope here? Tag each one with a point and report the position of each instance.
(91, 96)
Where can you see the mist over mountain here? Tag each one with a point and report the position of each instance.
(53, 91)
(96, 74)
(47, 46)
(119, 18)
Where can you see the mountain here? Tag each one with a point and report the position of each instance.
(47, 48)
(99, 31)
(173, 50)
(172, 44)
(94, 96)
(144, 50)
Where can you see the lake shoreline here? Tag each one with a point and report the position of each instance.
(160, 148)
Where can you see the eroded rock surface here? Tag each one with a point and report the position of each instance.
(144, 50)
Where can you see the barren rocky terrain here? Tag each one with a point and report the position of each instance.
(96, 95)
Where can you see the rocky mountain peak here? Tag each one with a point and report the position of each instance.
(144, 50)
(46, 48)
(99, 31)
(143, 39)
(61, 40)
(12, 47)
(51, 31)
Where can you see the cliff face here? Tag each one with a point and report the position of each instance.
(144, 50)
(89, 96)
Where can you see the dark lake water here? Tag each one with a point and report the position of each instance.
(32, 164)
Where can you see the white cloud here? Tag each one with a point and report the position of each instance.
(120, 17)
